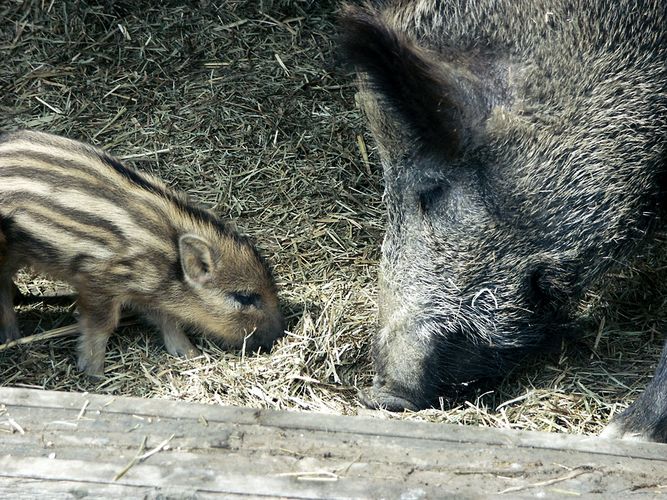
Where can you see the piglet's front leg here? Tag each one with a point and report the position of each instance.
(176, 341)
(99, 317)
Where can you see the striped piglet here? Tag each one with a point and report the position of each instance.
(123, 238)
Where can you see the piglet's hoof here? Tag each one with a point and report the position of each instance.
(182, 350)
(9, 333)
(92, 370)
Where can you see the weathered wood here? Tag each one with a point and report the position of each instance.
(27, 489)
(65, 445)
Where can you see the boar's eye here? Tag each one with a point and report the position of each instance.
(545, 286)
(428, 199)
(245, 299)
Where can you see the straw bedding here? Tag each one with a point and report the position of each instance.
(240, 104)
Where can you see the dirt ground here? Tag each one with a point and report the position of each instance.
(241, 104)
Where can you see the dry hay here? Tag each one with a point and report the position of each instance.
(237, 102)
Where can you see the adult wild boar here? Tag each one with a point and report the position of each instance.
(523, 147)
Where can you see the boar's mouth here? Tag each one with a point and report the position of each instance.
(380, 399)
(453, 365)
(454, 369)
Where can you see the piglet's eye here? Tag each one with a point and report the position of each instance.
(245, 298)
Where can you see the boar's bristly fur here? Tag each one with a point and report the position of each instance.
(123, 238)
(524, 154)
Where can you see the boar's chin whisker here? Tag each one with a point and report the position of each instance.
(482, 292)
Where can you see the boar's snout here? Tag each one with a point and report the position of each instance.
(386, 398)
(419, 360)
(402, 362)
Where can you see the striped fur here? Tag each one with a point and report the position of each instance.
(123, 238)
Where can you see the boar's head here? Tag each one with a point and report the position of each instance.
(517, 170)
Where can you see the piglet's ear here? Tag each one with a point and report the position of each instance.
(408, 79)
(196, 259)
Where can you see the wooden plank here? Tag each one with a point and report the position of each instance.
(66, 431)
(71, 445)
(193, 478)
(29, 489)
(333, 423)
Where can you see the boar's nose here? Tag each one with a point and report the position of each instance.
(381, 397)
(385, 401)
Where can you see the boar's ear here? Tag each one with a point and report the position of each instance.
(405, 76)
(196, 259)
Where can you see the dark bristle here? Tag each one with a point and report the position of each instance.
(184, 205)
(133, 176)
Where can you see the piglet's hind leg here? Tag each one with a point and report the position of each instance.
(9, 329)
